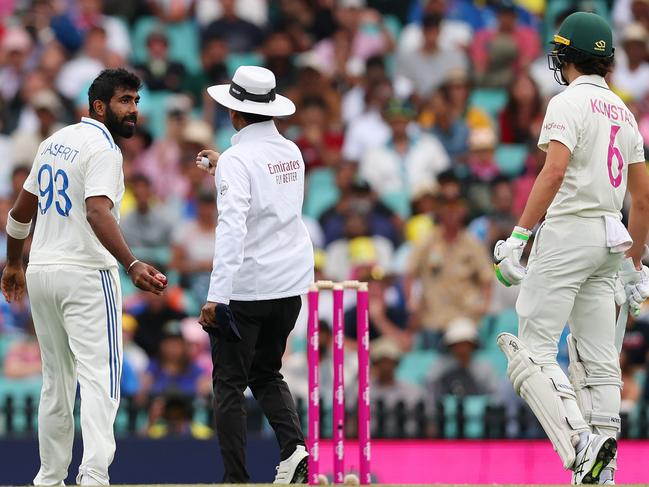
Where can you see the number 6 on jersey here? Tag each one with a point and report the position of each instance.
(614, 152)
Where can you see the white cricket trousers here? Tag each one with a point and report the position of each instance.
(570, 279)
(77, 314)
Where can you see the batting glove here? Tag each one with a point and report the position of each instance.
(636, 284)
(508, 253)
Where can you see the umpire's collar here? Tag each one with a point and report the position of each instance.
(254, 132)
(589, 79)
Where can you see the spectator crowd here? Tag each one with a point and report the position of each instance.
(418, 122)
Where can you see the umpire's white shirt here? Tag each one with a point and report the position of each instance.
(262, 249)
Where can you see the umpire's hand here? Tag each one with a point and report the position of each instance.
(217, 319)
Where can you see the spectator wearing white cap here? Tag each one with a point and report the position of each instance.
(631, 73)
(263, 263)
(459, 373)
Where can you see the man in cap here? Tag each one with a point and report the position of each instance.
(263, 263)
(593, 150)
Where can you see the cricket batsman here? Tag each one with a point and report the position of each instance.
(594, 152)
(75, 187)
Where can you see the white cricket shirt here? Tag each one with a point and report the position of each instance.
(603, 137)
(74, 163)
(262, 248)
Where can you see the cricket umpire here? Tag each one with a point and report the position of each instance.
(263, 262)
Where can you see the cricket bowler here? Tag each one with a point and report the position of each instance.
(75, 188)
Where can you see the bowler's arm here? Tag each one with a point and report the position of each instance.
(546, 185)
(23, 211)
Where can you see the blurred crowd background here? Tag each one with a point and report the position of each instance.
(418, 122)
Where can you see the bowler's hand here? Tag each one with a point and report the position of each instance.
(212, 156)
(148, 278)
(13, 282)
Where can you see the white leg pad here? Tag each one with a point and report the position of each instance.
(602, 418)
(550, 396)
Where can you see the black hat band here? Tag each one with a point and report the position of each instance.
(242, 95)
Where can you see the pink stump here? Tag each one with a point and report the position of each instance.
(363, 340)
(338, 385)
(313, 361)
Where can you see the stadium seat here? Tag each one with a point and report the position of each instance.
(489, 100)
(235, 60)
(505, 322)
(511, 158)
(19, 390)
(474, 410)
(397, 201)
(414, 366)
(557, 7)
(322, 192)
(182, 37)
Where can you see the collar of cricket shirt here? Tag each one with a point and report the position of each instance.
(589, 79)
(99, 126)
(254, 132)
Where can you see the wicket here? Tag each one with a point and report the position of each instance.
(363, 340)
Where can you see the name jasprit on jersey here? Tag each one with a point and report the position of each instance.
(68, 154)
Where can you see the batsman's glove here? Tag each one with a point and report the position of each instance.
(636, 284)
(508, 255)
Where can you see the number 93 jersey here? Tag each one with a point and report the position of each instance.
(75, 163)
(603, 137)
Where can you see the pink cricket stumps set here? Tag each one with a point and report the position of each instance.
(313, 359)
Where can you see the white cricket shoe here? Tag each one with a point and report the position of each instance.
(295, 469)
(607, 477)
(593, 458)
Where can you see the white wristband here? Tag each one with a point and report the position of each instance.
(16, 229)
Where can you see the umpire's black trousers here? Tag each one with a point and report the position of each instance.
(255, 361)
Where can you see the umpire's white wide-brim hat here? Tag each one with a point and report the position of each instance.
(252, 90)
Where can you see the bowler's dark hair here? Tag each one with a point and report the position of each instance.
(104, 86)
(254, 117)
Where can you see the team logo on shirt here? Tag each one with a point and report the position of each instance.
(600, 45)
(554, 125)
(223, 189)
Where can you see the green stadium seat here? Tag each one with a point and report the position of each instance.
(511, 158)
(414, 366)
(505, 322)
(490, 100)
(321, 192)
(183, 41)
(474, 410)
(397, 201)
(235, 60)
(556, 7)
(20, 389)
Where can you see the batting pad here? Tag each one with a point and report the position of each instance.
(547, 391)
(601, 417)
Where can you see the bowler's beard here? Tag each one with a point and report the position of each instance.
(118, 126)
